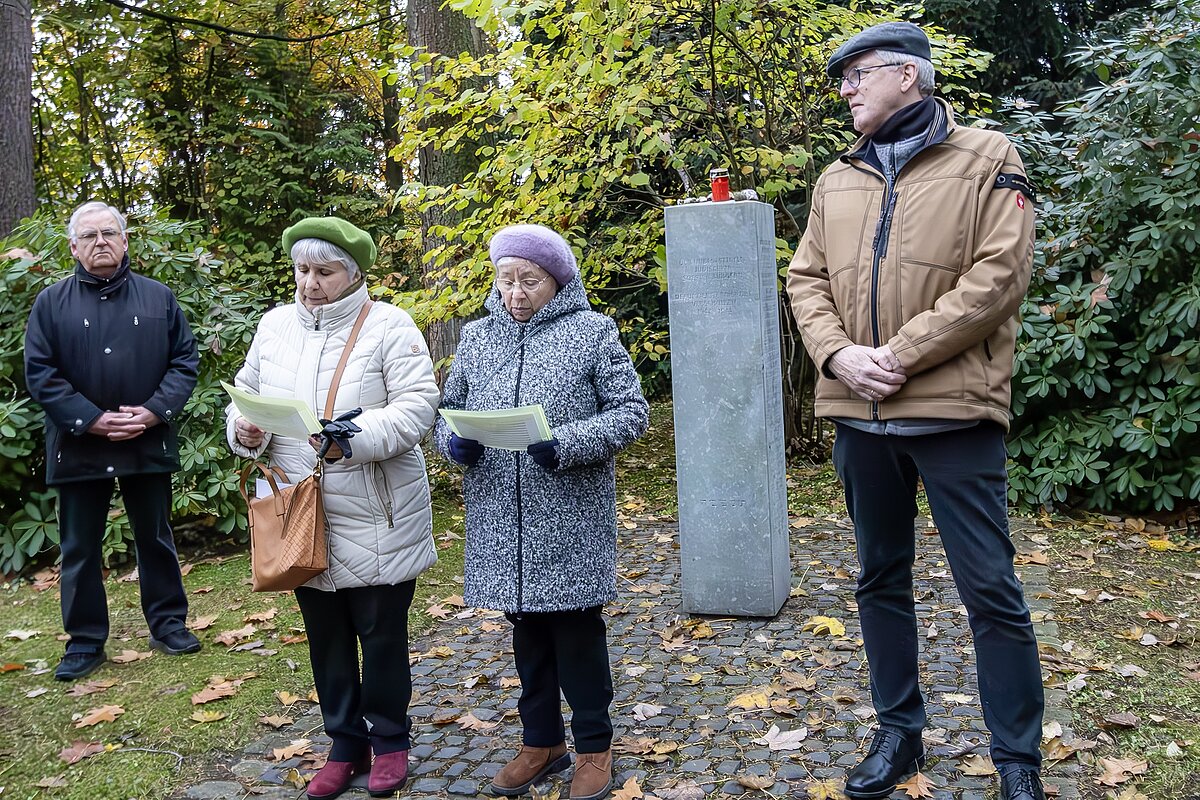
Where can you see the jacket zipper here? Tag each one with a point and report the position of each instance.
(517, 462)
(385, 496)
(883, 230)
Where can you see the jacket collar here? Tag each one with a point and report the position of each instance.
(105, 286)
(938, 131)
(331, 316)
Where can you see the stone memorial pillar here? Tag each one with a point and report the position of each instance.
(722, 288)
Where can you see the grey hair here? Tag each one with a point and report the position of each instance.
(319, 251)
(926, 82)
(89, 207)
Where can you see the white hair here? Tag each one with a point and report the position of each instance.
(926, 81)
(319, 251)
(89, 207)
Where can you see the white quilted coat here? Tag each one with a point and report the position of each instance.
(377, 501)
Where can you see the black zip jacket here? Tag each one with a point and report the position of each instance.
(93, 345)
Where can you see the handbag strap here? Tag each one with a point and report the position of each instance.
(341, 367)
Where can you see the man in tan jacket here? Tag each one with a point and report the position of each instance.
(906, 287)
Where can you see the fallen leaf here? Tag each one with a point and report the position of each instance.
(11, 667)
(917, 786)
(91, 687)
(21, 635)
(287, 698)
(296, 778)
(783, 740)
(829, 625)
(261, 616)
(977, 765)
(211, 693)
(36, 692)
(230, 638)
(129, 656)
(203, 623)
(1115, 771)
(293, 639)
(825, 790)
(630, 791)
(205, 715)
(755, 781)
(470, 722)
(703, 631)
(95, 716)
(1033, 557)
(276, 721)
(58, 782)
(644, 711)
(248, 646)
(1123, 720)
(509, 683)
(751, 701)
(80, 750)
(684, 791)
(297, 747)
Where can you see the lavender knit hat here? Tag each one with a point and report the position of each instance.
(538, 244)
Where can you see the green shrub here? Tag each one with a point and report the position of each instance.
(222, 317)
(1107, 382)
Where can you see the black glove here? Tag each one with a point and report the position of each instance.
(465, 451)
(544, 454)
(339, 431)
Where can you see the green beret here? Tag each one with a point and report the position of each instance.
(352, 239)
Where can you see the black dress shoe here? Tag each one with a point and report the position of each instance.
(77, 665)
(176, 643)
(892, 756)
(1021, 784)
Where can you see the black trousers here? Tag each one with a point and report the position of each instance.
(567, 651)
(82, 515)
(367, 707)
(964, 476)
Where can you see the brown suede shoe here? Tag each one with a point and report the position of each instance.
(593, 776)
(531, 765)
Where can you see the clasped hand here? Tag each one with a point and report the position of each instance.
(127, 422)
(872, 373)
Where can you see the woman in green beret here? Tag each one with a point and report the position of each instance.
(374, 488)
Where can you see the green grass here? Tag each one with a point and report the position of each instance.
(156, 692)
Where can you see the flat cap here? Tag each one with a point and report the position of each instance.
(352, 239)
(899, 37)
(538, 244)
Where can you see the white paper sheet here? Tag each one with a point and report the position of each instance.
(277, 415)
(263, 489)
(508, 429)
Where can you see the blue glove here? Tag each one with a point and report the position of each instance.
(544, 454)
(465, 451)
(339, 431)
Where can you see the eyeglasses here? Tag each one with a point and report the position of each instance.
(529, 285)
(855, 76)
(89, 237)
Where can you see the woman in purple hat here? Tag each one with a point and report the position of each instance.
(541, 524)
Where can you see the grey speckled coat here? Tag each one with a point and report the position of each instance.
(540, 540)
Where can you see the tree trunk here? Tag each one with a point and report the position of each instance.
(16, 121)
(440, 30)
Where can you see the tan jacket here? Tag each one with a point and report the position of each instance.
(945, 294)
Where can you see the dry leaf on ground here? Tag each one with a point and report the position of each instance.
(276, 721)
(95, 716)
(630, 791)
(829, 625)
(918, 786)
(825, 790)
(230, 638)
(644, 711)
(470, 722)
(755, 781)
(776, 739)
(79, 751)
(129, 656)
(203, 623)
(91, 687)
(210, 693)
(287, 698)
(1115, 771)
(977, 765)
(57, 782)
(751, 701)
(204, 715)
(684, 791)
(296, 748)
(261, 616)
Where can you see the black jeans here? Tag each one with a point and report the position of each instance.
(337, 623)
(964, 476)
(82, 516)
(565, 650)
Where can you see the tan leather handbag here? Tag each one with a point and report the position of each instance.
(288, 531)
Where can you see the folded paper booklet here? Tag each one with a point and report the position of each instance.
(277, 415)
(507, 429)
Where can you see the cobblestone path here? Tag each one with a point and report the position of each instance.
(682, 684)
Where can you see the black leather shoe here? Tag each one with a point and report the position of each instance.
(176, 643)
(77, 665)
(892, 756)
(1021, 784)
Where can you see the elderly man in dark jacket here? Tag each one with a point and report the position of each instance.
(110, 358)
